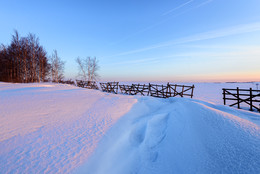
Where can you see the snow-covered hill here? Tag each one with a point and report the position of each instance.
(51, 128)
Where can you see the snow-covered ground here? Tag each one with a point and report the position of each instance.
(52, 128)
(48, 128)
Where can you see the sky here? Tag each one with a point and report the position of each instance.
(145, 40)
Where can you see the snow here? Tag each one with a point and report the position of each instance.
(54, 128)
(50, 128)
(178, 136)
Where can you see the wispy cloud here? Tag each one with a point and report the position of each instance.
(176, 8)
(237, 53)
(234, 30)
(146, 60)
(249, 53)
(186, 3)
(167, 19)
(204, 3)
(149, 60)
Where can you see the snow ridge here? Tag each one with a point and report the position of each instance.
(178, 136)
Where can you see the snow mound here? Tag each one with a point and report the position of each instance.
(179, 136)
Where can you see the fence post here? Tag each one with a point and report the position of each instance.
(163, 92)
(157, 91)
(149, 89)
(192, 91)
(168, 89)
(175, 88)
(251, 98)
(182, 90)
(117, 87)
(224, 96)
(238, 104)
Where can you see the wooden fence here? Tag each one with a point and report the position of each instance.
(161, 91)
(69, 82)
(170, 90)
(111, 87)
(247, 96)
(135, 89)
(154, 90)
(87, 84)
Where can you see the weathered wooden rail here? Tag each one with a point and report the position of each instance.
(69, 82)
(242, 96)
(170, 90)
(181, 90)
(161, 91)
(135, 89)
(87, 84)
(111, 87)
(154, 90)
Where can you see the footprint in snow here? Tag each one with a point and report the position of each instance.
(137, 134)
(156, 130)
(154, 135)
(150, 134)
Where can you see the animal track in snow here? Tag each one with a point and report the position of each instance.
(156, 130)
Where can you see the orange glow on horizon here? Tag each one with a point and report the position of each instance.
(220, 77)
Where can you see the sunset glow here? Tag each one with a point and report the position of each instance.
(197, 40)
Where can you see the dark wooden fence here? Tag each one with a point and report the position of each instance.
(154, 90)
(69, 82)
(170, 90)
(158, 90)
(135, 89)
(161, 91)
(242, 96)
(87, 84)
(111, 87)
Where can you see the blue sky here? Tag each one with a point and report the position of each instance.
(177, 40)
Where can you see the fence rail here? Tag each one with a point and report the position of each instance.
(69, 82)
(135, 89)
(246, 96)
(154, 90)
(158, 90)
(170, 90)
(87, 84)
(111, 87)
(161, 91)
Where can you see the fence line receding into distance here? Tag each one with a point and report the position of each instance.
(154, 90)
(239, 96)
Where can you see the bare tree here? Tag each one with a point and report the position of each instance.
(93, 69)
(4, 64)
(57, 67)
(24, 60)
(82, 69)
(88, 68)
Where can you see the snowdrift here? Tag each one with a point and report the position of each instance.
(53, 128)
(179, 136)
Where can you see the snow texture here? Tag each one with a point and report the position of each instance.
(52, 128)
(179, 136)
